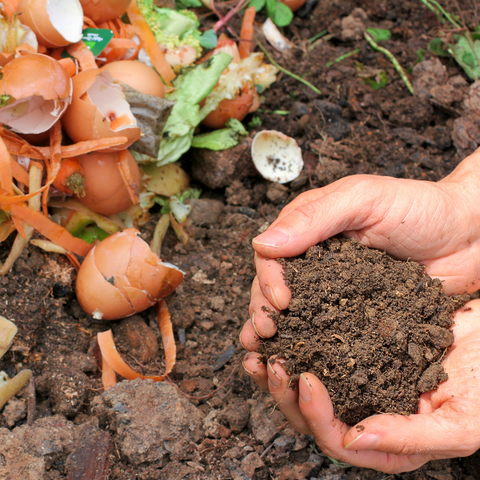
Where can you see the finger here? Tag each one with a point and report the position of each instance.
(450, 431)
(272, 285)
(256, 369)
(260, 309)
(248, 337)
(346, 206)
(329, 432)
(286, 397)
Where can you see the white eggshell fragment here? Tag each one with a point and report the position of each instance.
(276, 156)
(274, 37)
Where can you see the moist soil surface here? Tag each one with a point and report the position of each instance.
(207, 420)
(372, 328)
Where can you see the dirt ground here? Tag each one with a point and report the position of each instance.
(208, 421)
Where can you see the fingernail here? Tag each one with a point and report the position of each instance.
(366, 441)
(240, 340)
(247, 370)
(271, 296)
(305, 390)
(254, 327)
(274, 378)
(274, 237)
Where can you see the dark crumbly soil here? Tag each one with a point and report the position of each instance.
(372, 328)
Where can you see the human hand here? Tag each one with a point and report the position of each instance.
(436, 224)
(447, 424)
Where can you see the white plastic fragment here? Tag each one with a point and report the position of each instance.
(276, 156)
(274, 37)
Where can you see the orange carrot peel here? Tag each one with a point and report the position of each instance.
(149, 43)
(112, 357)
(246, 44)
(109, 377)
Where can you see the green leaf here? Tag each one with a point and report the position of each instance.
(91, 233)
(184, 4)
(420, 55)
(280, 14)
(191, 87)
(378, 81)
(255, 122)
(380, 34)
(467, 54)
(258, 4)
(437, 47)
(209, 39)
(222, 139)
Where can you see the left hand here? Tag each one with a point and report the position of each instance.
(447, 424)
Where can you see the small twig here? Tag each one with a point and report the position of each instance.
(394, 61)
(288, 72)
(31, 402)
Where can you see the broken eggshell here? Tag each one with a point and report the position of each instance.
(33, 107)
(106, 197)
(56, 23)
(103, 10)
(276, 156)
(274, 37)
(99, 110)
(121, 276)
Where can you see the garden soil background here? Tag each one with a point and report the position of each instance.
(208, 421)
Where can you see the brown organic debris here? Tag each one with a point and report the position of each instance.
(372, 328)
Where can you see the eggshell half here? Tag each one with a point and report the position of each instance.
(137, 75)
(108, 289)
(34, 106)
(276, 156)
(99, 110)
(103, 10)
(96, 295)
(105, 190)
(56, 23)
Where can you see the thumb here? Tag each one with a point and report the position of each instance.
(316, 215)
(447, 432)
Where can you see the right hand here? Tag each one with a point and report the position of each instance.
(435, 224)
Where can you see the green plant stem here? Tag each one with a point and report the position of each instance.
(436, 7)
(288, 72)
(317, 36)
(394, 61)
(343, 57)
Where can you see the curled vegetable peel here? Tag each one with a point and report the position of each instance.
(113, 363)
(121, 276)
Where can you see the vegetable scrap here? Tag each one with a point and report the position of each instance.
(117, 90)
(9, 387)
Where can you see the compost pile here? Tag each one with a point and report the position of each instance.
(372, 328)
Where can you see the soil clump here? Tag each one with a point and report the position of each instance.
(372, 328)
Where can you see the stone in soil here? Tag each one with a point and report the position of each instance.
(372, 328)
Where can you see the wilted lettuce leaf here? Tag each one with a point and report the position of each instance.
(221, 139)
(191, 87)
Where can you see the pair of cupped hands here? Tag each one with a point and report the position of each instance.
(435, 224)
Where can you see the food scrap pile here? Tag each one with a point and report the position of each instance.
(98, 99)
